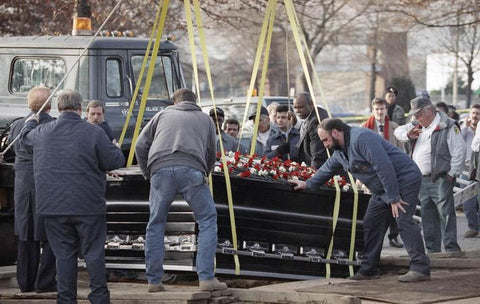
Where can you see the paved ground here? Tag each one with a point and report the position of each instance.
(465, 244)
(454, 280)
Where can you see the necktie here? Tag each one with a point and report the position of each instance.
(380, 127)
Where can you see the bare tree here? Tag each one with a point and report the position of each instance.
(458, 22)
(54, 17)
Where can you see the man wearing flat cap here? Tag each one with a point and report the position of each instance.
(394, 111)
(438, 150)
(229, 143)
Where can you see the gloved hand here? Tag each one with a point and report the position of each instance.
(283, 148)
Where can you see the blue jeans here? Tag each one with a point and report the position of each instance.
(472, 213)
(165, 184)
(438, 215)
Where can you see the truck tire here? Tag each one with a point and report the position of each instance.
(8, 253)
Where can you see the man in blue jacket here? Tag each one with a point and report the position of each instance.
(70, 160)
(394, 180)
(283, 144)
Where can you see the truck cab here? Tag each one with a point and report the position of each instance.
(108, 72)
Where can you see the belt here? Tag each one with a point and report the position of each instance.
(427, 175)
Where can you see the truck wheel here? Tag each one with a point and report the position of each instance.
(8, 253)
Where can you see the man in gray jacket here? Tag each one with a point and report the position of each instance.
(176, 150)
(70, 160)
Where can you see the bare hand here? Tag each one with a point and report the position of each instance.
(398, 206)
(116, 174)
(298, 184)
(414, 132)
(34, 117)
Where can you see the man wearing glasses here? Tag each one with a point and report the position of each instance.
(438, 150)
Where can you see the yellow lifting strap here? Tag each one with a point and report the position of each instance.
(140, 77)
(314, 72)
(191, 40)
(151, 69)
(256, 64)
(271, 20)
(201, 34)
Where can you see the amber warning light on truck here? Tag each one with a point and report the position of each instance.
(82, 26)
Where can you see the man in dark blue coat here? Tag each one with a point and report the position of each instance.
(70, 159)
(34, 271)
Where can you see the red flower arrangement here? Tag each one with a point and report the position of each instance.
(273, 169)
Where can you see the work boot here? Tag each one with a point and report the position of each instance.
(413, 276)
(470, 234)
(361, 277)
(212, 284)
(156, 287)
(395, 242)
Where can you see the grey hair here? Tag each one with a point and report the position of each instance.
(69, 100)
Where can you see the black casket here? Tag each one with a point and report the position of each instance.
(280, 232)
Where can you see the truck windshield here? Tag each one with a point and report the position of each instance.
(161, 84)
(30, 72)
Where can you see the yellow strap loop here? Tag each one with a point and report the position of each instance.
(336, 209)
(140, 76)
(354, 222)
(299, 38)
(201, 34)
(151, 69)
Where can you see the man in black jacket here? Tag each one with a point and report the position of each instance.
(311, 150)
(34, 271)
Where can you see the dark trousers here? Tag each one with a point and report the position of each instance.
(35, 271)
(375, 223)
(392, 228)
(70, 235)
